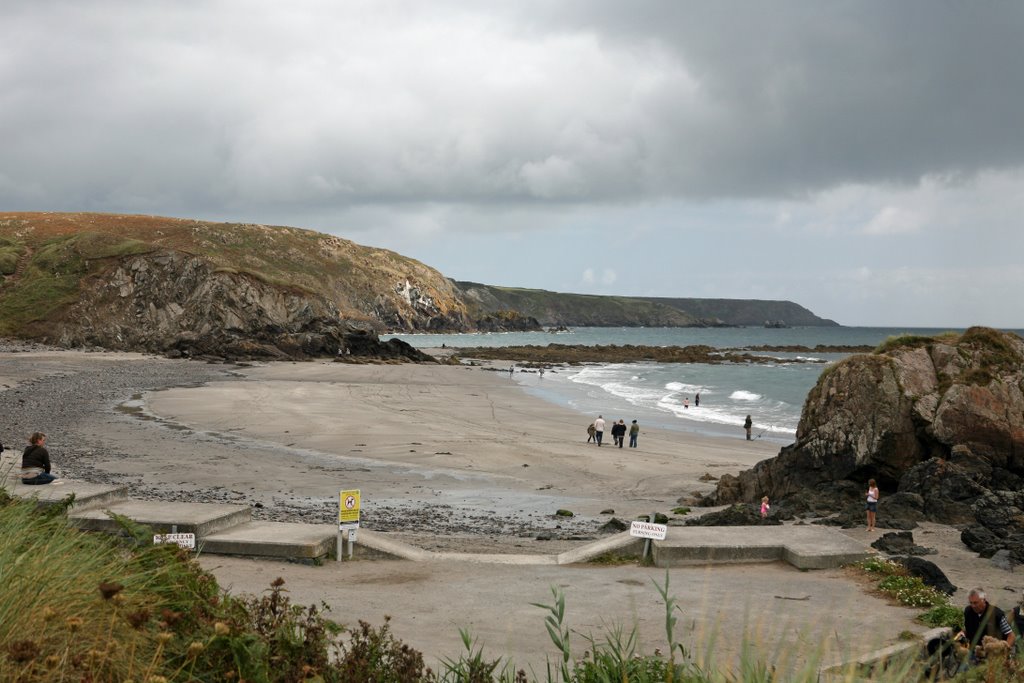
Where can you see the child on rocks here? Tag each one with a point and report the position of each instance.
(764, 507)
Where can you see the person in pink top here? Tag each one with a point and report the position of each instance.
(764, 507)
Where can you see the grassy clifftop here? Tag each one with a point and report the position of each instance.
(47, 259)
(582, 310)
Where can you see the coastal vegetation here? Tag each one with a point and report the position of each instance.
(99, 608)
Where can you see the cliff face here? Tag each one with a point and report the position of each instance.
(572, 310)
(746, 312)
(142, 282)
(587, 310)
(151, 283)
(937, 421)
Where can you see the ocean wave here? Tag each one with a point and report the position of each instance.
(743, 395)
(683, 388)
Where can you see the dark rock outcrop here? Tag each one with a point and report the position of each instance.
(900, 543)
(928, 572)
(734, 515)
(937, 421)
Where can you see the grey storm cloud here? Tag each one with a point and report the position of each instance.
(203, 106)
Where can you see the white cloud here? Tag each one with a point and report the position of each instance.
(894, 221)
(588, 276)
(608, 277)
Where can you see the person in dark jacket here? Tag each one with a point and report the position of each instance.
(619, 432)
(35, 462)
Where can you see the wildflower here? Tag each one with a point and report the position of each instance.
(108, 589)
(170, 616)
(221, 629)
(74, 623)
(229, 675)
(51, 662)
(162, 638)
(156, 679)
(138, 619)
(23, 650)
(277, 583)
(194, 648)
(48, 613)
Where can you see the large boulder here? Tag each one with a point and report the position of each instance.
(928, 572)
(937, 421)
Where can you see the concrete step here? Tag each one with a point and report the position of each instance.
(86, 495)
(804, 547)
(201, 519)
(273, 539)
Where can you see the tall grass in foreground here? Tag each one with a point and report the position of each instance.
(90, 607)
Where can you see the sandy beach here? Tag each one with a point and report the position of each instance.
(462, 441)
(446, 457)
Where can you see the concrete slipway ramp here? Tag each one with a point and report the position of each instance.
(230, 530)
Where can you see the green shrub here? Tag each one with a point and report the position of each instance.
(943, 615)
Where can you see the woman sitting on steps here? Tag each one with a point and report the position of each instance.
(35, 462)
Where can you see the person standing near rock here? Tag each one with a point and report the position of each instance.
(35, 462)
(748, 425)
(634, 432)
(599, 429)
(872, 506)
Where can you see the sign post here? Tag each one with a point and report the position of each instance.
(348, 520)
(649, 531)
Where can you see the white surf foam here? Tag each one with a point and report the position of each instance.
(742, 395)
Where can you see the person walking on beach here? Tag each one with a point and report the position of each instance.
(748, 425)
(634, 432)
(619, 432)
(35, 462)
(599, 429)
(591, 433)
(872, 506)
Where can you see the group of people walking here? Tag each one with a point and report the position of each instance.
(595, 432)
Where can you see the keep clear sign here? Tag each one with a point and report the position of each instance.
(181, 540)
(648, 530)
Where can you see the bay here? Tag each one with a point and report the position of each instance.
(656, 394)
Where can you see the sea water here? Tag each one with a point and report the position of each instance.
(656, 394)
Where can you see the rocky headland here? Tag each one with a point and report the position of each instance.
(937, 421)
(240, 291)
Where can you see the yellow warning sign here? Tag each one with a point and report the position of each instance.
(348, 506)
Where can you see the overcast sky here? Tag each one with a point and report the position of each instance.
(864, 159)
